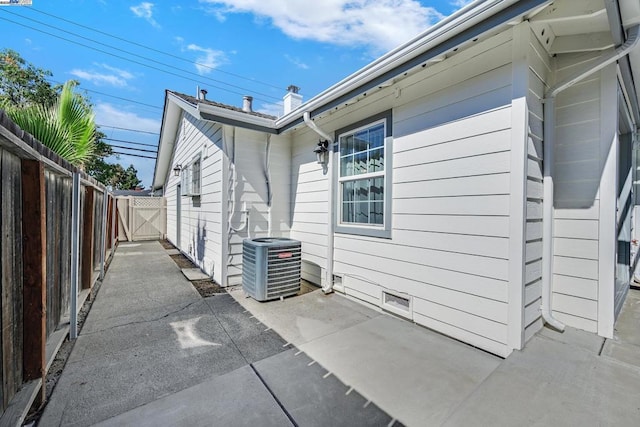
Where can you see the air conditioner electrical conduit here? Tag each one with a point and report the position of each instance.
(328, 284)
(549, 136)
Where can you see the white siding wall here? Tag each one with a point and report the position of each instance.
(539, 72)
(200, 230)
(450, 228)
(251, 188)
(580, 161)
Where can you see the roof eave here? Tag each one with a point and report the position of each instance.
(462, 26)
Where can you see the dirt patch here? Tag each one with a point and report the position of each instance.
(167, 244)
(182, 261)
(208, 288)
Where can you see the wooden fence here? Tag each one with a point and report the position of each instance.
(57, 232)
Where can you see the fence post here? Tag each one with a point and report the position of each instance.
(103, 232)
(34, 256)
(114, 223)
(75, 256)
(87, 238)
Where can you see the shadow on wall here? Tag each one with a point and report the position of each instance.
(200, 241)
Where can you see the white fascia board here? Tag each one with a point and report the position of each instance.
(173, 108)
(235, 118)
(444, 30)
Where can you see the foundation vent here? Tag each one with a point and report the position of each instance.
(397, 303)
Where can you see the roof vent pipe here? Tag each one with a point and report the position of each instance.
(247, 104)
(203, 94)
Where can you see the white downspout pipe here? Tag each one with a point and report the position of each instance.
(548, 161)
(328, 285)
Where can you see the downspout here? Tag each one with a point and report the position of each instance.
(328, 285)
(267, 177)
(549, 136)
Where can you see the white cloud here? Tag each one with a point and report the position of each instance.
(297, 62)
(209, 60)
(108, 115)
(115, 77)
(145, 10)
(274, 109)
(460, 3)
(379, 24)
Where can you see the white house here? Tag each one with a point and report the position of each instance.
(479, 178)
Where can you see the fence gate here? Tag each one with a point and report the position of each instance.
(141, 218)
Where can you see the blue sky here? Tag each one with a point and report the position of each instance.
(126, 53)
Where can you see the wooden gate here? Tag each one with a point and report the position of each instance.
(141, 218)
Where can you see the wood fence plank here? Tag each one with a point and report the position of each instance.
(9, 275)
(4, 276)
(86, 253)
(34, 257)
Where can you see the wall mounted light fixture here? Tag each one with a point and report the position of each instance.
(176, 170)
(322, 152)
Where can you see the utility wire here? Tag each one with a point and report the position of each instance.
(112, 96)
(129, 130)
(155, 50)
(132, 148)
(129, 59)
(134, 155)
(130, 142)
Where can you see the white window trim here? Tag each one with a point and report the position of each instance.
(186, 178)
(373, 230)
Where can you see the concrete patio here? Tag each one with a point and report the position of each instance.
(153, 352)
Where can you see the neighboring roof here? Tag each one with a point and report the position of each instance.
(137, 193)
(195, 101)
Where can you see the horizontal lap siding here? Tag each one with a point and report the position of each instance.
(450, 211)
(578, 170)
(539, 71)
(309, 201)
(251, 188)
(200, 217)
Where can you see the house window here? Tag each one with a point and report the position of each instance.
(195, 177)
(191, 178)
(364, 177)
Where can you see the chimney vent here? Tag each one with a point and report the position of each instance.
(203, 93)
(247, 102)
(292, 99)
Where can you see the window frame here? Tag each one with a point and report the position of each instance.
(373, 230)
(195, 192)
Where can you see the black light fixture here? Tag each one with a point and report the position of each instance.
(176, 170)
(322, 152)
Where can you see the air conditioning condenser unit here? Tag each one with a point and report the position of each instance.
(271, 267)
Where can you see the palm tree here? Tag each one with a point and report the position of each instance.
(67, 127)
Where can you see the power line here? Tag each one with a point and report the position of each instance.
(130, 142)
(155, 50)
(131, 148)
(134, 155)
(112, 96)
(129, 53)
(129, 130)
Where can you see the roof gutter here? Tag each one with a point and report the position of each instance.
(438, 39)
(549, 142)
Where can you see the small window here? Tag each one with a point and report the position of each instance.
(195, 177)
(364, 173)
